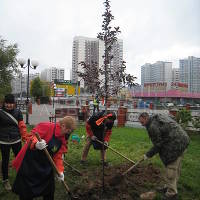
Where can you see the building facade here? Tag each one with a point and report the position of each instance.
(157, 75)
(90, 50)
(190, 73)
(50, 74)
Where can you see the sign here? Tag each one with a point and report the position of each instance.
(60, 92)
(179, 86)
(155, 87)
(58, 81)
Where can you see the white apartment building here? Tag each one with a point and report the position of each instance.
(92, 49)
(50, 74)
(159, 72)
(190, 73)
(84, 49)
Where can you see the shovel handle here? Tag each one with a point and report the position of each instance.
(76, 170)
(132, 167)
(52, 163)
(116, 151)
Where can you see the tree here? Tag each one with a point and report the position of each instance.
(109, 37)
(119, 76)
(90, 76)
(46, 89)
(8, 66)
(36, 88)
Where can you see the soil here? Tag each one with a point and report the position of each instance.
(117, 187)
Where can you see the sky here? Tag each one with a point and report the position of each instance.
(151, 30)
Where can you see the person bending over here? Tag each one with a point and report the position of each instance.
(35, 175)
(170, 142)
(97, 126)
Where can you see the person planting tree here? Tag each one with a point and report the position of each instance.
(35, 176)
(97, 126)
(170, 141)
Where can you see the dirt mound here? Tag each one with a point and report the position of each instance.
(139, 180)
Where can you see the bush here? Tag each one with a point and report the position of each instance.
(183, 117)
(196, 122)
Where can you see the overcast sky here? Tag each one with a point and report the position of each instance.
(152, 30)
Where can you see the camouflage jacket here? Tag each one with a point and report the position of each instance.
(168, 138)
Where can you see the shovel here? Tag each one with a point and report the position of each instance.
(115, 151)
(55, 168)
(76, 170)
(118, 178)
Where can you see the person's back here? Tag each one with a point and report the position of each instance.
(168, 136)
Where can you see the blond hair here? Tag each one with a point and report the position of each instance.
(69, 122)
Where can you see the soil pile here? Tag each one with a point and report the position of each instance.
(137, 181)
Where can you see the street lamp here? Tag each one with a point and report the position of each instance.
(33, 65)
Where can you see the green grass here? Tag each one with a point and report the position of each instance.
(133, 143)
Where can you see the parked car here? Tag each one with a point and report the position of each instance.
(170, 105)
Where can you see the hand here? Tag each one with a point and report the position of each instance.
(145, 157)
(93, 138)
(106, 143)
(61, 176)
(41, 144)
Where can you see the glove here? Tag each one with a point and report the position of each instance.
(41, 144)
(93, 138)
(145, 157)
(106, 143)
(61, 176)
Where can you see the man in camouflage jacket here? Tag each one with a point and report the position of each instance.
(170, 141)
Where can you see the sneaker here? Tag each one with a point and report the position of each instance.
(7, 185)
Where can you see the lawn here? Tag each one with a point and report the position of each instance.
(133, 143)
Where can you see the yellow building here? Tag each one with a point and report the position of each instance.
(64, 88)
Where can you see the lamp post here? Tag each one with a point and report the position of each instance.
(29, 65)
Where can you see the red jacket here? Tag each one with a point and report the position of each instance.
(90, 132)
(45, 130)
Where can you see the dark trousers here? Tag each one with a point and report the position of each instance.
(5, 152)
(46, 197)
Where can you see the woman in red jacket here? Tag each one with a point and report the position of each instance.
(35, 175)
(97, 126)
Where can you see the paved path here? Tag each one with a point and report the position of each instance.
(41, 113)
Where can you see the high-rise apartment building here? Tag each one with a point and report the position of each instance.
(91, 50)
(157, 73)
(190, 73)
(50, 74)
(84, 49)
